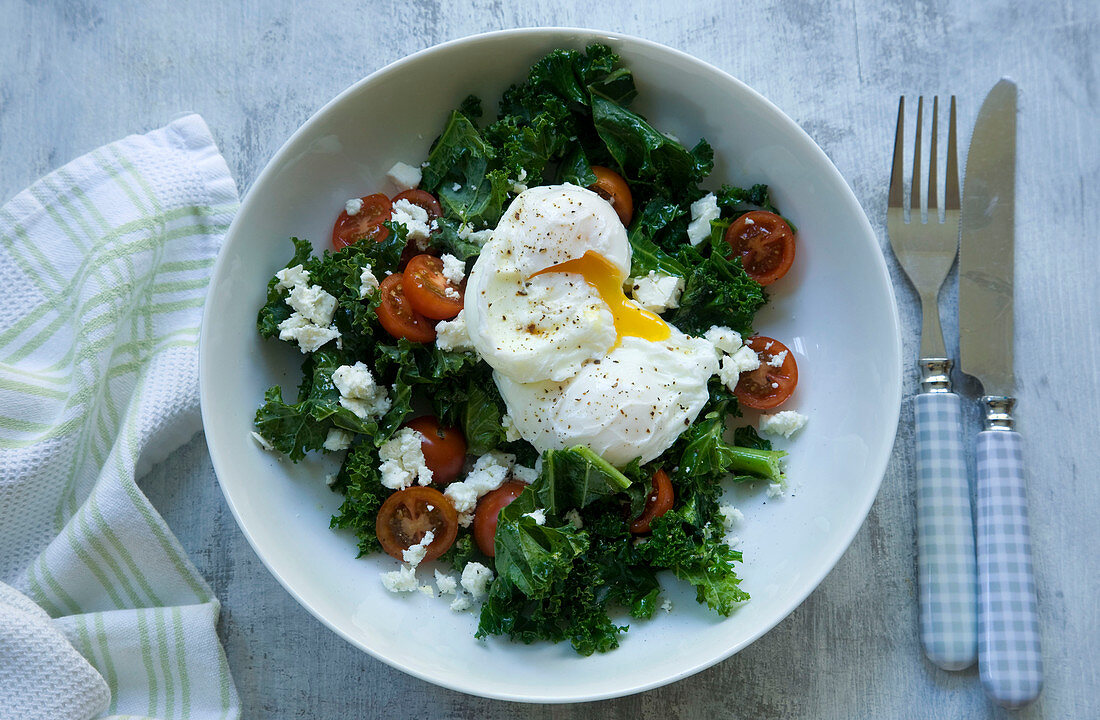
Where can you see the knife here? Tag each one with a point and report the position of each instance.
(1009, 660)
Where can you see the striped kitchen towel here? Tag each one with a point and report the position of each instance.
(104, 266)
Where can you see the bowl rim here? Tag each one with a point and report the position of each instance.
(878, 464)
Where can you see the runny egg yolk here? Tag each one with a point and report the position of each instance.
(604, 277)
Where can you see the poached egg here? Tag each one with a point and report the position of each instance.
(575, 360)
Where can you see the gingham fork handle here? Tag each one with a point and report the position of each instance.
(946, 572)
(1009, 660)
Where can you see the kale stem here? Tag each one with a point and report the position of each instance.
(763, 463)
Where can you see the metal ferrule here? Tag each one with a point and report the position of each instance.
(998, 412)
(935, 375)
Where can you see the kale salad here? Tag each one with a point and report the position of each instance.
(533, 359)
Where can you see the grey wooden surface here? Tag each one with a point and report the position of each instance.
(74, 75)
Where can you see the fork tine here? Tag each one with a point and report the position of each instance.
(897, 183)
(933, 186)
(914, 196)
(951, 193)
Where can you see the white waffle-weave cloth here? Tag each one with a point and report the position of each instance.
(104, 266)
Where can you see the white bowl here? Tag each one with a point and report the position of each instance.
(835, 310)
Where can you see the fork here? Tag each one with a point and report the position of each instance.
(926, 249)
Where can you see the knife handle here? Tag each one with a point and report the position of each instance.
(1009, 660)
(946, 566)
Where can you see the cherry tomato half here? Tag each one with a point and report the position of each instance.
(660, 500)
(444, 448)
(429, 292)
(408, 514)
(769, 385)
(764, 242)
(398, 317)
(488, 513)
(365, 224)
(611, 187)
(424, 199)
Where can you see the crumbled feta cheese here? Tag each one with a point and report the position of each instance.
(667, 605)
(489, 472)
(403, 580)
(518, 185)
(785, 423)
(353, 206)
(405, 177)
(453, 334)
(262, 441)
(731, 516)
(447, 584)
(776, 490)
(312, 303)
(703, 211)
(723, 339)
(525, 475)
(368, 283)
(511, 432)
(453, 269)
(657, 292)
(403, 460)
(415, 220)
(573, 517)
(538, 515)
(451, 293)
(456, 187)
(427, 590)
(744, 360)
(358, 391)
(309, 337)
(414, 554)
(476, 579)
(337, 439)
(460, 603)
(292, 277)
(478, 237)
(777, 359)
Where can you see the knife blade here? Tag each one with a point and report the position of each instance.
(1009, 658)
(986, 245)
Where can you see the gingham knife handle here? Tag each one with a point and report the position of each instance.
(1009, 660)
(946, 572)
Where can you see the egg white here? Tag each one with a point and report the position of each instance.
(565, 375)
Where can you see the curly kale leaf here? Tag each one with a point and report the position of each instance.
(296, 428)
(275, 310)
(530, 556)
(646, 155)
(717, 292)
(657, 215)
(574, 610)
(574, 478)
(697, 556)
(707, 454)
(361, 485)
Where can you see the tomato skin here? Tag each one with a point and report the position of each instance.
(404, 518)
(426, 288)
(764, 242)
(444, 448)
(424, 199)
(660, 500)
(398, 317)
(365, 224)
(488, 513)
(754, 388)
(611, 187)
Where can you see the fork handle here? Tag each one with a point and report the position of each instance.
(1010, 662)
(946, 565)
